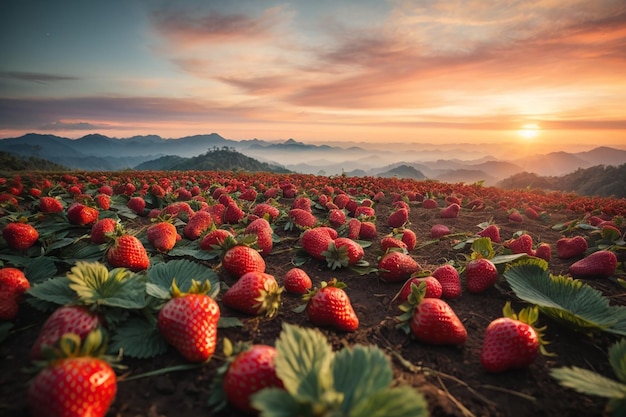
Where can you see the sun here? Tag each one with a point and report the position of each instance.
(529, 131)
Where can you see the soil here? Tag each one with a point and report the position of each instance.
(451, 378)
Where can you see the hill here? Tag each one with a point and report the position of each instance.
(403, 171)
(10, 162)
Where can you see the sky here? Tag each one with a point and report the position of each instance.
(546, 72)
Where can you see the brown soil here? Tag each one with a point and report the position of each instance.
(451, 378)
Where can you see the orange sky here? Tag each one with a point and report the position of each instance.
(414, 71)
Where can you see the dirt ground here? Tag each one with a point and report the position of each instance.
(451, 378)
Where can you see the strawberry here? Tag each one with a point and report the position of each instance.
(66, 319)
(303, 203)
(544, 251)
(13, 283)
(104, 230)
(267, 211)
(264, 235)
(409, 238)
(248, 194)
(214, 238)
(450, 212)
(137, 204)
(343, 252)
(492, 232)
(480, 275)
(336, 217)
(198, 223)
(431, 320)
(20, 235)
(8, 307)
(128, 252)
(103, 201)
(188, 321)
(297, 281)
(439, 230)
(450, 281)
(531, 213)
(392, 242)
(433, 288)
(302, 219)
(341, 200)
(233, 214)
(250, 371)
(73, 386)
(515, 216)
(430, 203)
(398, 218)
(178, 209)
(353, 228)
(330, 306)
(82, 215)
(511, 342)
(50, 205)
(254, 293)
(599, 264)
(163, 236)
(571, 247)
(396, 266)
(241, 259)
(368, 230)
(522, 244)
(364, 212)
(315, 241)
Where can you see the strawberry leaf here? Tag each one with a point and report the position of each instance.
(39, 269)
(138, 338)
(482, 247)
(589, 382)
(617, 359)
(392, 402)
(162, 274)
(275, 402)
(229, 322)
(56, 290)
(5, 328)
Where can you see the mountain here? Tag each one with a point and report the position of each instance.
(468, 176)
(10, 162)
(403, 171)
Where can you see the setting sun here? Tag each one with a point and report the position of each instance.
(529, 131)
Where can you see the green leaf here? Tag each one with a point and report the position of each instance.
(56, 290)
(157, 291)
(39, 269)
(359, 373)
(483, 247)
(162, 274)
(617, 359)
(228, 322)
(505, 259)
(59, 243)
(303, 362)
(589, 382)
(562, 298)
(392, 402)
(5, 328)
(138, 338)
(84, 251)
(274, 402)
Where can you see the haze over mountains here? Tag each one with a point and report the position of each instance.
(452, 162)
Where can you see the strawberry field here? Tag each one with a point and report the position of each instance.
(118, 247)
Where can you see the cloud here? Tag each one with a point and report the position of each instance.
(37, 77)
(60, 125)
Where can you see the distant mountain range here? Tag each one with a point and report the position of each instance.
(444, 162)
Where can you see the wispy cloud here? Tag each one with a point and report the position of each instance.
(36, 77)
(60, 125)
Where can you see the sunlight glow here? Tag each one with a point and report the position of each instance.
(529, 131)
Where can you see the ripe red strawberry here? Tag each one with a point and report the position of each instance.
(398, 218)
(431, 320)
(249, 372)
(66, 319)
(315, 241)
(104, 230)
(450, 281)
(364, 212)
(188, 322)
(480, 275)
(450, 212)
(8, 307)
(75, 386)
(388, 242)
(303, 203)
(215, 238)
(254, 293)
(241, 259)
(20, 235)
(233, 214)
(343, 252)
(50, 205)
(492, 232)
(302, 219)
(430, 203)
(297, 281)
(13, 283)
(137, 204)
(103, 201)
(267, 211)
(353, 228)
(396, 266)
(198, 223)
(600, 264)
(178, 209)
(571, 247)
(248, 194)
(368, 230)
(264, 235)
(511, 342)
(439, 230)
(128, 252)
(531, 213)
(336, 217)
(522, 244)
(409, 238)
(82, 215)
(544, 251)
(341, 200)
(515, 216)
(163, 236)
(330, 306)
(433, 288)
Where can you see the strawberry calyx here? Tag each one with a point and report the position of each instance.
(269, 298)
(417, 294)
(529, 316)
(312, 291)
(196, 287)
(336, 257)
